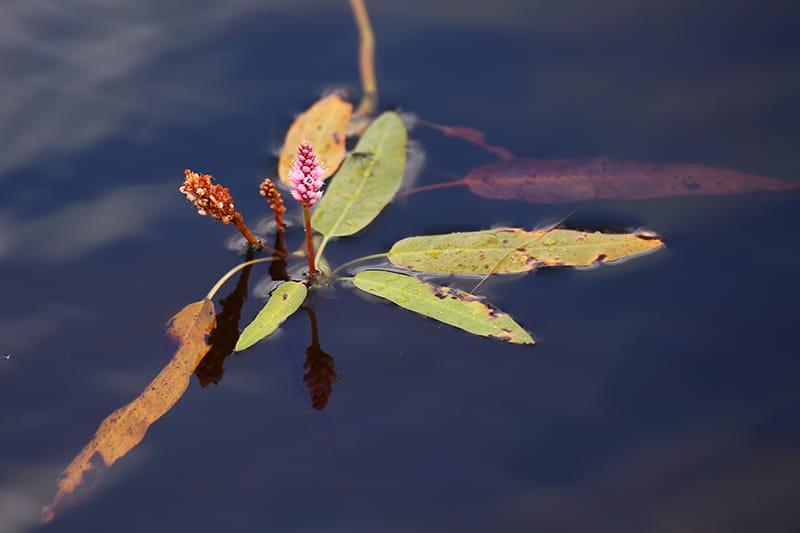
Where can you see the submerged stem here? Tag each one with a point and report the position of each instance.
(366, 59)
(433, 186)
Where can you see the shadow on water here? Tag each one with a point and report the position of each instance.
(663, 395)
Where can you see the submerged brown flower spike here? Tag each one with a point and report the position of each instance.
(273, 196)
(215, 201)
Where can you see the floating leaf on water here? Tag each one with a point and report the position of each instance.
(544, 181)
(367, 181)
(284, 300)
(125, 428)
(501, 251)
(324, 125)
(445, 304)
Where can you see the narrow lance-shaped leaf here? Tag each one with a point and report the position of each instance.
(500, 251)
(445, 304)
(324, 125)
(284, 300)
(543, 181)
(125, 428)
(367, 180)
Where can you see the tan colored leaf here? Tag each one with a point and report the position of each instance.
(502, 251)
(123, 429)
(324, 125)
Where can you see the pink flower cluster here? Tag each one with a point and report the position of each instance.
(306, 175)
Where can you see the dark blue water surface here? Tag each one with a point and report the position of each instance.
(662, 394)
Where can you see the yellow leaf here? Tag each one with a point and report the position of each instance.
(506, 250)
(324, 125)
(445, 304)
(125, 428)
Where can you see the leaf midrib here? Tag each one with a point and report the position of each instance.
(372, 163)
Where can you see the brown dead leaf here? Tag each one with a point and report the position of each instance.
(324, 125)
(123, 429)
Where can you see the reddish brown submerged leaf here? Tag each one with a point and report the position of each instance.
(471, 135)
(568, 180)
(123, 429)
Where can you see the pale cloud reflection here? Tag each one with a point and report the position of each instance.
(81, 227)
(72, 70)
(22, 334)
(78, 71)
(21, 496)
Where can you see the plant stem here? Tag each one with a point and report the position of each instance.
(312, 270)
(238, 221)
(357, 260)
(233, 271)
(433, 186)
(322, 246)
(366, 59)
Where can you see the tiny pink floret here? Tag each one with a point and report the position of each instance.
(306, 175)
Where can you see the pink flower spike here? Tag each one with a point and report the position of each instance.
(306, 175)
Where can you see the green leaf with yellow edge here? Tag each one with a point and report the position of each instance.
(501, 251)
(445, 304)
(123, 429)
(324, 125)
(366, 182)
(284, 300)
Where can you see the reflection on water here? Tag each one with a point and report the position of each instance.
(79, 228)
(320, 368)
(663, 395)
(224, 336)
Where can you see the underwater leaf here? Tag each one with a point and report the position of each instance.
(284, 300)
(445, 304)
(506, 250)
(367, 180)
(544, 181)
(324, 125)
(471, 135)
(125, 428)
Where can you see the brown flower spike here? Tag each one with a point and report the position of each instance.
(215, 201)
(273, 196)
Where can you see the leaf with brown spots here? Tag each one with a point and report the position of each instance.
(283, 302)
(445, 304)
(125, 428)
(507, 250)
(543, 181)
(324, 125)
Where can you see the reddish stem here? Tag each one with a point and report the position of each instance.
(443, 185)
(238, 221)
(312, 270)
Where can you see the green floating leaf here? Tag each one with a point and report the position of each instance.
(501, 251)
(366, 181)
(283, 301)
(451, 306)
